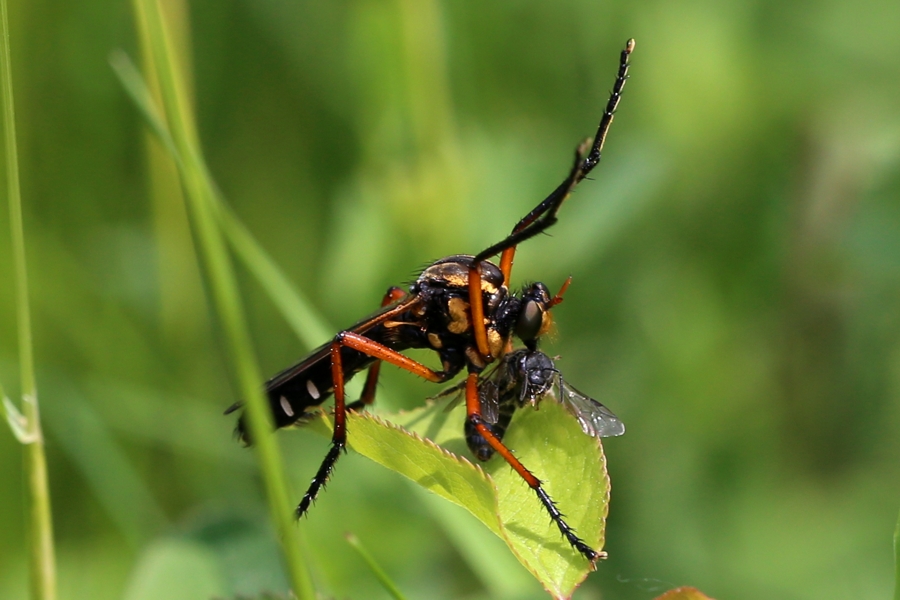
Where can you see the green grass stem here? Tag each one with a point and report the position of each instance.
(897, 560)
(304, 319)
(181, 304)
(26, 425)
(376, 569)
(200, 194)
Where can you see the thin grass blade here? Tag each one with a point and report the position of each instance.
(897, 560)
(383, 578)
(40, 519)
(157, 39)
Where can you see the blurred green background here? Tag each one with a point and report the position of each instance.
(736, 267)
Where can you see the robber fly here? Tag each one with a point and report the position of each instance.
(461, 308)
(526, 377)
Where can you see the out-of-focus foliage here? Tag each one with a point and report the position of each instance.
(736, 270)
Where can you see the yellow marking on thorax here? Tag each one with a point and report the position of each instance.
(435, 341)
(496, 343)
(455, 280)
(459, 315)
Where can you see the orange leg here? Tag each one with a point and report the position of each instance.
(473, 414)
(368, 394)
(339, 436)
(476, 310)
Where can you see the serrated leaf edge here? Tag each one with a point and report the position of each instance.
(327, 416)
(501, 531)
(558, 593)
(427, 441)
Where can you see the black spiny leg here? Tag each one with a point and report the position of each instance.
(542, 216)
(378, 351)
(587, 155)
(557, 517)
(321, 477)
(338, 438)
(477, 424)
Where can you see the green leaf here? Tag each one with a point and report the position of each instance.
(427, 446)
(432, 467)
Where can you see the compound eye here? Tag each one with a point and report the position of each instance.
(530, 320)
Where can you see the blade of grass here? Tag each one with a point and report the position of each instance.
(137, 89)
(42, 559)
(306, 322)
(383, 577)
(222, 283)
(897, 560)
(181, 298)
(309, 326)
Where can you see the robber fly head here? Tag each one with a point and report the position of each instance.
(534, 318)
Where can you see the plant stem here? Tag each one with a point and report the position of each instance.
(383, 578)
(305, 320)
(223, 286)
(40, 522)
(897, 560)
